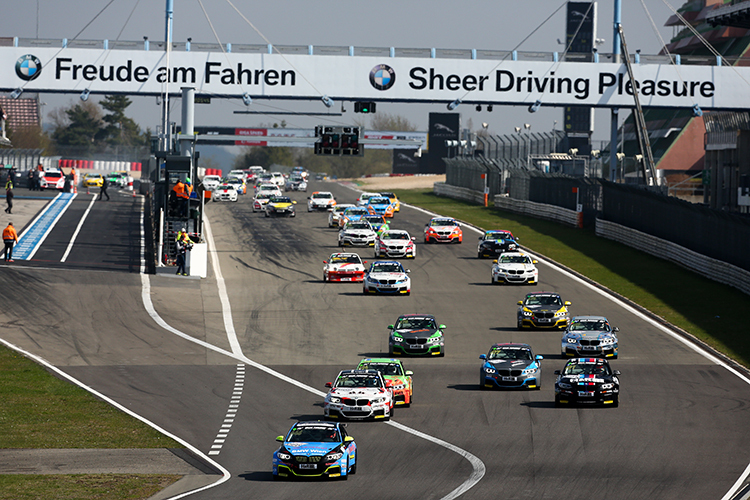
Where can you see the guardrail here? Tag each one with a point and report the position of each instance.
(698, 263)
(458, 193)
(538, 210)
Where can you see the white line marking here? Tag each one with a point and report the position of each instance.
(80, 225)
(51, 226)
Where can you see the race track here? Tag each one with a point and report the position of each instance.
(681, 431)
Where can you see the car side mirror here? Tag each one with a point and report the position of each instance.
(409, 372)
(442, 327)
(520, 302)
(348, 439)
(482, 356)
(390, 327)
(408, 271)
(535, 262)
(325, 262)
(557, 372)
(494, 261)
(329, 385)
(309, 197)
(616, 329)
(413, 238)
(294, 203)
(539, 357)
(567, 302)
(365, 262)
(280, 438)
(480, 238)
(617, 372)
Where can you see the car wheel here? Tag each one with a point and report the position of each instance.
(325, 278)
(519, 325)
(614, 356)
(364, 291)
(558, 403)
(616, 401)
(408, 293)
(276, 477)
(353, 470)
(479, 255)
(345, 474)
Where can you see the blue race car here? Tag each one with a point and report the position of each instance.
(510, 365)
(382, 206)
(315, 449)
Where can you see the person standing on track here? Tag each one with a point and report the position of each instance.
(103, 191)
(9, 197)
(10, 238)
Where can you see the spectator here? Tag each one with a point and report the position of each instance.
(103, 191)
(3, 116)
(9, 197)
(10, 238)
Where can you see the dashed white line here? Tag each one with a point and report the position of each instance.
(226, 425)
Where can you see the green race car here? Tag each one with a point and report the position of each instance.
(396, 378)
(416, 334)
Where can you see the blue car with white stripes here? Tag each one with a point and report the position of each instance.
(315, 449)
(511, 365)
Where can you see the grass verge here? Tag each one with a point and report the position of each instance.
(713, 312)
(88, 486)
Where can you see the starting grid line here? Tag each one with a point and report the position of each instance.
(35, 234)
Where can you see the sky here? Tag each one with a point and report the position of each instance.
(443, 24)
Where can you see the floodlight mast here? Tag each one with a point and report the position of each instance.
(165, 142)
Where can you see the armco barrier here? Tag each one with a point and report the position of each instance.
(539, 210)
(458, 193)
(698, 263)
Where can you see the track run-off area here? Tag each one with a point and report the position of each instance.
(168, 349)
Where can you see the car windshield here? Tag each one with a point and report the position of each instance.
(358, 225)
(497, 235)
(264, 196)
(340, 208)
(358, 381)
(514, 259)
(387, 268)
(509, 353)
(388, 195)
(345, 259)
(589, 326)
(395, 236)
(314, 434)
(53, 174)
(443, 222)
(415, 323)
(587, 369)
(543, 300)
(268, 187)
(357, 211)
(280, 199)
(374, 219)
(386, 369)
(295, 178)
(379, 201)
(322, 196)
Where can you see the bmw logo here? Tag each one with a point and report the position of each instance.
(382, 77)
(28, 67)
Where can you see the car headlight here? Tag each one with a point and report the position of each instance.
(489, 370)
(530, 371)
(572, 341)
(560, 314)
(435, 340)
(456, 230)
(283, 456)
(332, 457)
(563, 385)
(403, 280)
(399, 387)
(396, 339)
(526, 312)
(608, 341)
(334, 399)
(607, 386)
(378, 400)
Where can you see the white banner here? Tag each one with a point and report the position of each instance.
(372, 78)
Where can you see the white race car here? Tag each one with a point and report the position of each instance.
(321, 200)
(261, 200)
(271, 188)
(335, 214)
(225, 192)
(278, 179)
(344, 267)
(514, 267)
(211, 182)
(395, 243)
(357, 233)
(387, 276)
(364, 198)
(358, 394)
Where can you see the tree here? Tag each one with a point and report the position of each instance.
(83, 127)
(396, 123)
(264, 156)
(119, 130)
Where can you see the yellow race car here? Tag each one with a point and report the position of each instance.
(93, 180)
(394, 201)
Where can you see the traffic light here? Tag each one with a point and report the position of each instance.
(364, 107)
(339, 141)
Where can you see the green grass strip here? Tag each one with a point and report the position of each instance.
(711, 311)
(86, 486)
(39, 410)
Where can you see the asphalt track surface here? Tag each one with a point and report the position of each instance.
(681, 431)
